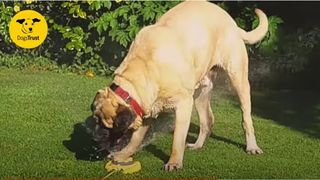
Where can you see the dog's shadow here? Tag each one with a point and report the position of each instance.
(84, 148)
(194, 129)
(81, 142)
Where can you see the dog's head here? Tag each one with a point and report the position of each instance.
(111, 110)
(114, 119)
(27, 24)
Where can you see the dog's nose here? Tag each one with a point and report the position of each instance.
(30, 29)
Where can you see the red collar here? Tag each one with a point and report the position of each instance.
(127, 98)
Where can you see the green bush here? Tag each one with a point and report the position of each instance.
(6, 13)
(27, 61)
(295, 50)
(82, 34)
(80, 31)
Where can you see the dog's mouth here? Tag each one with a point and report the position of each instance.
(109, 140)
(120, 140)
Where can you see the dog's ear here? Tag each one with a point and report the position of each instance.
(110, 109)
(20, 21)
(99, 97)
(108, 122)
(34, 20)
(104, 106)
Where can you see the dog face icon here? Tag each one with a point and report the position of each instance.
(28, 29)
(27, 24)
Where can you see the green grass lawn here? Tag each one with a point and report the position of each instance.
(41, 111)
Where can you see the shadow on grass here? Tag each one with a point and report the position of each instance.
(84, 148)
(299, 110)
(164, 125)
(195, 129)
(157, 152)
(81, 143)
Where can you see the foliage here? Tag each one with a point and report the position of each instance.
(27, 61)
(294, 50)
(286, 52)
(94, 35)
(6, 13)
(248, 20)
(271, 40)
(84, 28)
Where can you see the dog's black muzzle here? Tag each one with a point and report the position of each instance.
(112, 139)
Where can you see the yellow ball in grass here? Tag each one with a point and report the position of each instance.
(89, 73)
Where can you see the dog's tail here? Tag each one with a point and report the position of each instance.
(259, 32)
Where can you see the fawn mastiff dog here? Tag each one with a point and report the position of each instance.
(169, 65)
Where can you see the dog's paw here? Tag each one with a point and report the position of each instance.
(193, 146)
(172, 166)
(136, 124)
(111, 155)
(254, 151)
(115, 154)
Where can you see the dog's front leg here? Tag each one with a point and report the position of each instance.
(133, 145)
(182, 122)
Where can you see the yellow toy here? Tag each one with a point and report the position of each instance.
(126, 167)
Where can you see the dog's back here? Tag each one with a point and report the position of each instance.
(194, 36)
(187, 36)
(205, 29)
(189, 13)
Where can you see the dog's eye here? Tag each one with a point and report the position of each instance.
(25, 23)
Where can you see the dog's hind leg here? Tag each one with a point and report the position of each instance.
(238, 73)
(202, 98)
